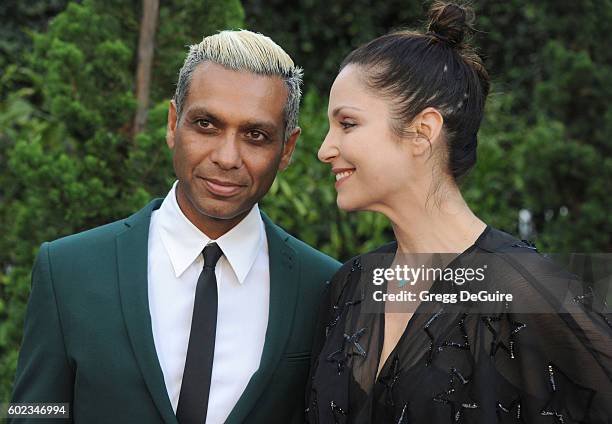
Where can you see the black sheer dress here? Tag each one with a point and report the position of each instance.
(545, 357)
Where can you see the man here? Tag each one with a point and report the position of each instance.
(196, 308)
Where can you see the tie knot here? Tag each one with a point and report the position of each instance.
(211, 253)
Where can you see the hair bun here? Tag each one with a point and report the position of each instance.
(450, 22)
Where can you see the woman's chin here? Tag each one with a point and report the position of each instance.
(346, 204)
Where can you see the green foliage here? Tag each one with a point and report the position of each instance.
(183, 23)
(18, 18)
(318, 34)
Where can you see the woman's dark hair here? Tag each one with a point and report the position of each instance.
(436, 68)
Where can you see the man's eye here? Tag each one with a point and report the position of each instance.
(203, 123)
(256, 135)
(346, 125)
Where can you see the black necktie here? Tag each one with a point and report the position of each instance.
(195, 388)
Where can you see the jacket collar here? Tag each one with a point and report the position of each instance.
(132, 253)
(132, 256)
(284, 289)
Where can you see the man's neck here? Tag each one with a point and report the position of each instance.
(212, 227)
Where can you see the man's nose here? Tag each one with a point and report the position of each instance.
(227, 152)
(328, 150)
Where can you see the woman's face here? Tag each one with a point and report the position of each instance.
(370, 163)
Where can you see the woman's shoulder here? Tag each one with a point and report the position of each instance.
(521, 256)
(516, 266)
(380, 256)
(495, 240)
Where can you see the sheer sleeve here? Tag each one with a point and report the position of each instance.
(550, 349)
(326, 316)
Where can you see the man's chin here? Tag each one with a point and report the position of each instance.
(225, 214)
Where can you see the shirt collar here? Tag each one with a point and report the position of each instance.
(184, 242)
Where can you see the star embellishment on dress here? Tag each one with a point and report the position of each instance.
(504, 330)
(434, 349)
(569, 402)
(354, 341)
(337, 412)
(457, 396)
(338, 309)
(341, 356)
(403, 418)
(390, 379)
(588, 300)
(510, 414)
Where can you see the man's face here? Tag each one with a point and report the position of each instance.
(228, 143)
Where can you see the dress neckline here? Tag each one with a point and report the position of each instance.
(477, 243)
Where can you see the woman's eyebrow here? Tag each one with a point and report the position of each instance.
(337, 110)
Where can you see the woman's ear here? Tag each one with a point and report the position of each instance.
(428, 126)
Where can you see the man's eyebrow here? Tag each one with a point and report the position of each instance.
(202, 111)
(337, 110)
(198, 110)
(263, 125)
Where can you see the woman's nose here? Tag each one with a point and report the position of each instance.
(328, 150)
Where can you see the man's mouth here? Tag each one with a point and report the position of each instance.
(222, 188)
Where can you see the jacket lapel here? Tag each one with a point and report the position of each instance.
(132, 252)
(284, 283)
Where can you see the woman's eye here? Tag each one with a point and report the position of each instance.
(347, 125)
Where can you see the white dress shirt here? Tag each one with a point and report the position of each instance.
(243, 286)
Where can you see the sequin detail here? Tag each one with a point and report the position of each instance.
(526, 244)
(356, 265)
(354, 341)
(504, 330)
(337, 412)
(433, 349)
(390, 379)
(557, 405)
(403, 419)
(341, 355)
(587, 300)
(339, 309)
(457, 397)
(512, 412)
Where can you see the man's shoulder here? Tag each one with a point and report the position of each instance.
(102, 233)
(310, 258)
(101, 236)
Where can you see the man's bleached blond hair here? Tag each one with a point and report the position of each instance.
(245, 51)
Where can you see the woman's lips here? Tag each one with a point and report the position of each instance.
(343, 175)
(222, 188)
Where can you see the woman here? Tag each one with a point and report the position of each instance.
(404, 114)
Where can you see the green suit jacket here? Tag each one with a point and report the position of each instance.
(88, 339)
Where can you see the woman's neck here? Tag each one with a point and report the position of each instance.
(430, 224)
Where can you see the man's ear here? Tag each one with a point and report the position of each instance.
(288, 148)
(428, 125)
(172, 123)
